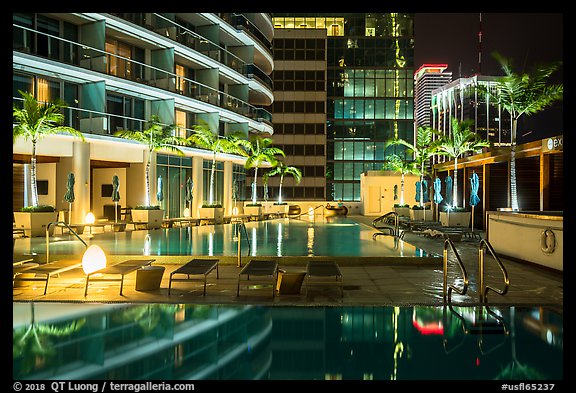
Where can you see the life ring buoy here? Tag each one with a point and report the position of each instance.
(547, 241)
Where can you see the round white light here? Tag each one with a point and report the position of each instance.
(90, 219)
(186, 212)
(93, 259)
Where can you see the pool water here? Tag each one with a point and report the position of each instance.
(214, 342)
(339, 236)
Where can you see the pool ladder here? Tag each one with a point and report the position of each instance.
(241, 229)
(394, 231)
(72, 231)
(483, 289)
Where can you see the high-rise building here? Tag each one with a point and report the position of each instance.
(427, 78)
(115, 71)
(369, 63)
(462, 99)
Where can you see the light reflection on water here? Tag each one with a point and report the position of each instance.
(177, 341)
(341, 237)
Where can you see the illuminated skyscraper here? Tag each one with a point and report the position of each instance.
(369, 63)
(426, 79)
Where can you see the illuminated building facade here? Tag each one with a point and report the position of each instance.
(369, 91)
(427, 78)
(461, 99)
(115, 71)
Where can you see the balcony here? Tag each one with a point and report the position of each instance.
(111, 64)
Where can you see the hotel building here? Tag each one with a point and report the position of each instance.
(427, 78)
(115, 71)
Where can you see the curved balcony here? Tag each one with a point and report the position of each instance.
(114, 65)
(241, 23)
(172, 30)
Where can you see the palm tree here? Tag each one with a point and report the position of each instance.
(156, 137)
(258, 149)
(522, 94)
(461, 140)
(282, 169)
(204, 137)
(35, 120)
(396, 163)
(423, 150)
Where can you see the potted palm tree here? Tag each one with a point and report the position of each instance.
(522, 94)
(33, 121)
(259, 151)
(282, 169)
(426, 147)
(405, 167)
(205, 138)
(460, 141)
(156, 137)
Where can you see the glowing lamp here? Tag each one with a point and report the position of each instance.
(186, 212)
(311, 212)
(235, 211)
(90, 219)
(93, 259)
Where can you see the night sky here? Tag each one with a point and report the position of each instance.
(526, 38)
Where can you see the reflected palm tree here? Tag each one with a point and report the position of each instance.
(33, 341)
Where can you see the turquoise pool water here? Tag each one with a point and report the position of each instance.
(200, 342)
(341, 236)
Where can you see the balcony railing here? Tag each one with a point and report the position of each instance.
(112, 64)
(172, 30)
(240, 22)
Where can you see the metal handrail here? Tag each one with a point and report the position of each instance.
(447, 289)
(48, 236)
(396, 229)
(483, 289)
(240, 226)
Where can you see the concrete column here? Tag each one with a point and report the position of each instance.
(198, 191)
(227, 202)
(81, 170)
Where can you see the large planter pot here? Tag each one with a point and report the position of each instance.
(421, 215)
(34, 223)
(455, 219)
(152, 217)
(212, 213)
(403, 211)
(254, 211)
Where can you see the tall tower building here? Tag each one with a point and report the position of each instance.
(369, 63)
(426, 79)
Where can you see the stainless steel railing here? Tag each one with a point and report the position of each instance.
(447, 289)
(483, 289)
(72, 231)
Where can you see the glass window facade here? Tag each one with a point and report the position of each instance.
(370, 91)
(175, 171)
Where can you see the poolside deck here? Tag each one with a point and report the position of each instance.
(367, 284)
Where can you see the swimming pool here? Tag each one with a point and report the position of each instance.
(339, 236)
(212, 342)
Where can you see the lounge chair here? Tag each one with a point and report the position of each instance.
(44, 271)
(122, 268)
(317, 273)
(259, 268)
(195, 267)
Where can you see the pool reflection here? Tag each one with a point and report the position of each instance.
(175, 342)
